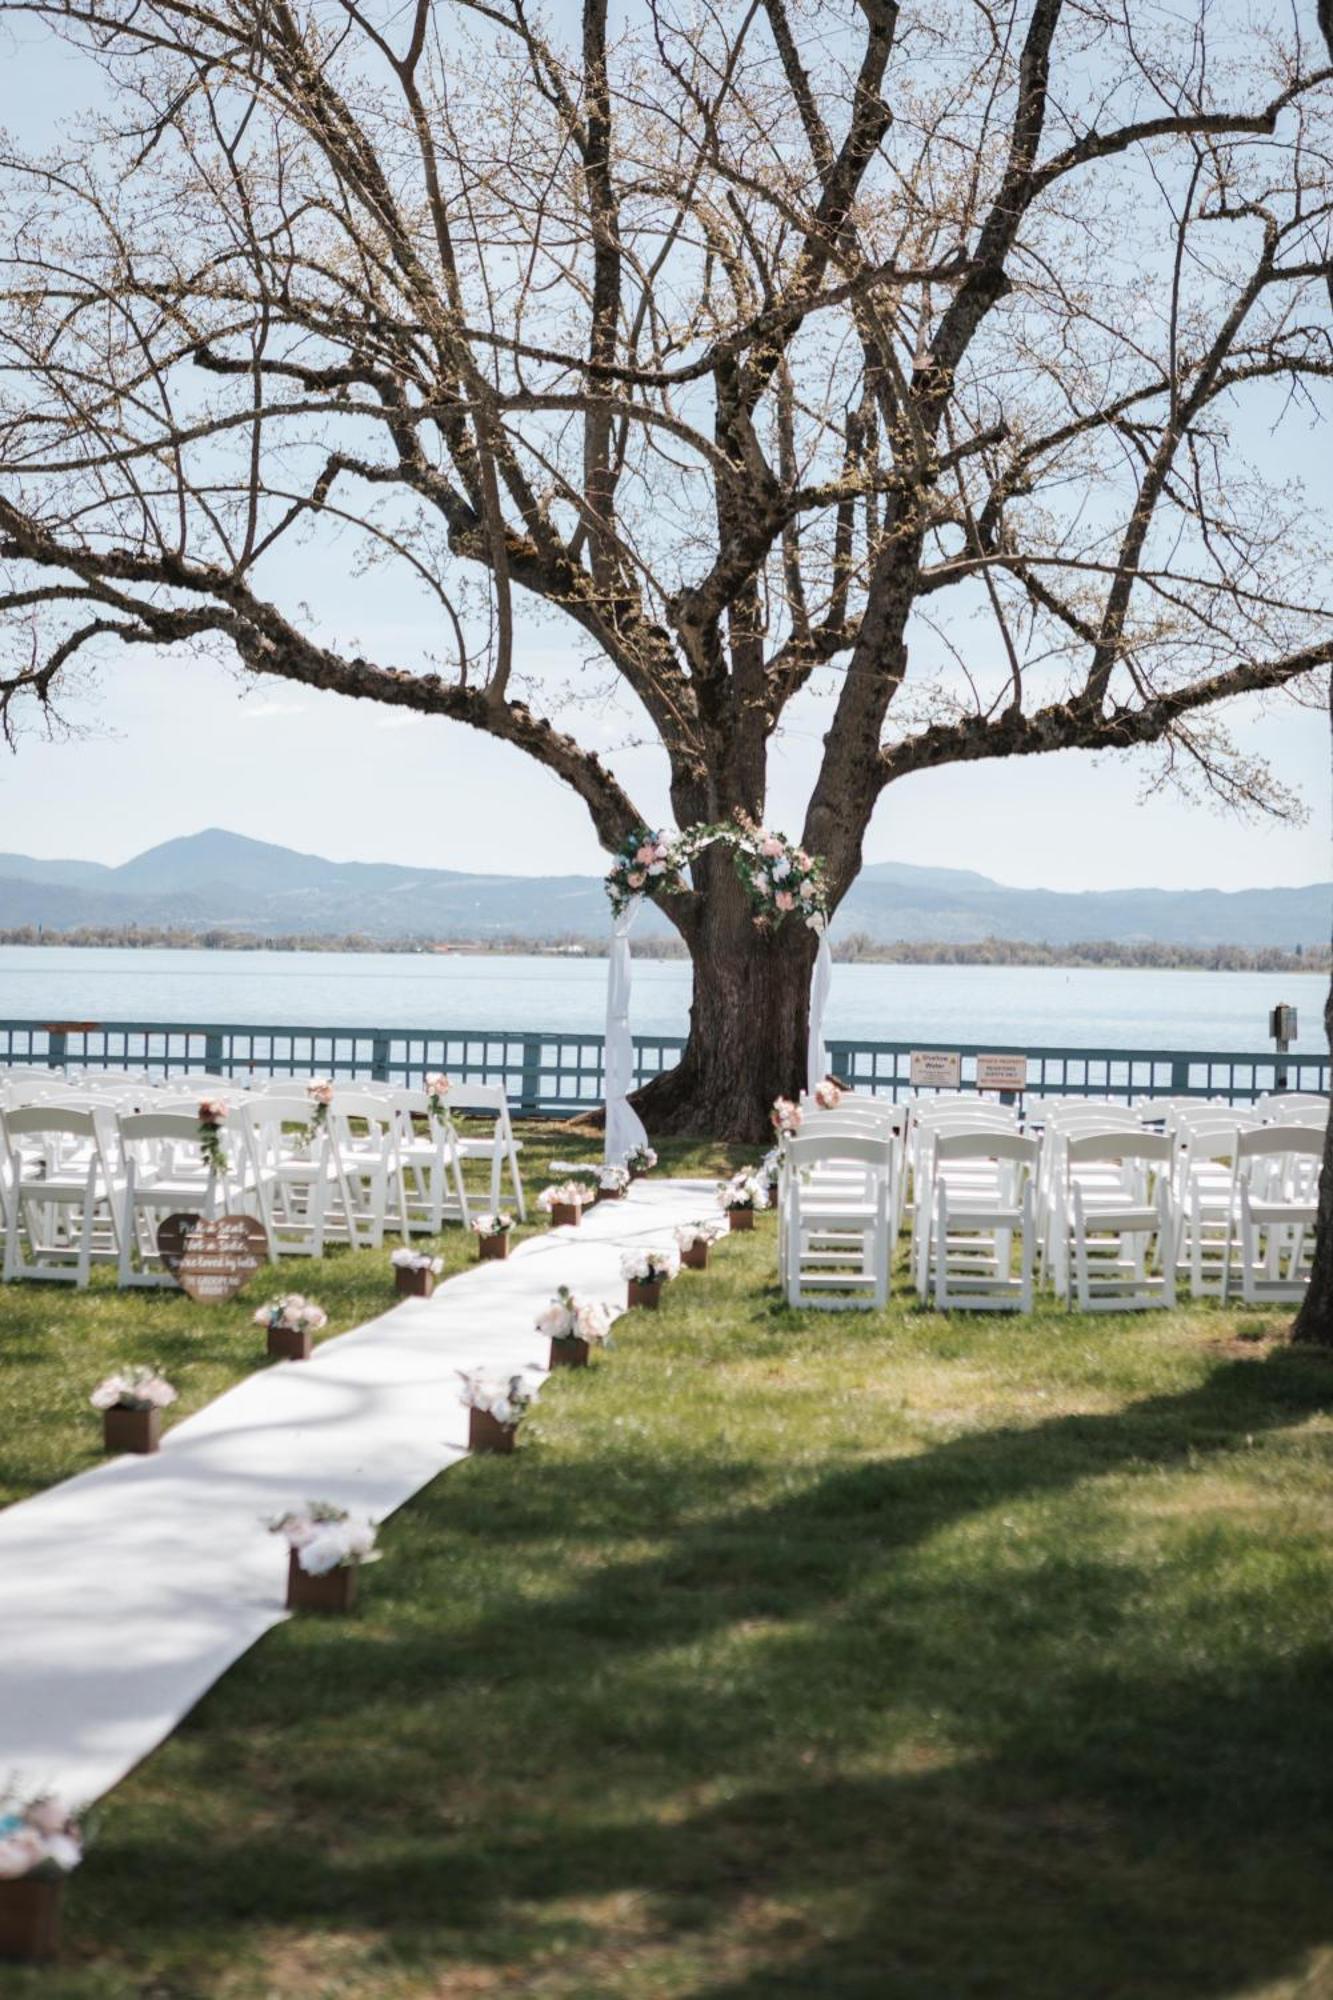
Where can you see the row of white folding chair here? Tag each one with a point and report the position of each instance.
(928, 1120)
(835, 1247)
(979, 1205)
(1250, 1205)
(965, 1170)
(832, 1175)
(1109, 1232)
(1294, 1107)
(58, 1188)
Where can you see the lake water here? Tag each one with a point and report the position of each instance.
(1030, 1006)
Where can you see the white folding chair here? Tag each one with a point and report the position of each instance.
(166, 1173)
(60, 1192)
(432, 1176)
(1113, 1238)
(982, 1203)
(299, 1186)
(1274, 1204)
(836, 1221)
(501, 1149)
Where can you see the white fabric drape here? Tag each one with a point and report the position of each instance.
(816, 1062)
(624, 1127)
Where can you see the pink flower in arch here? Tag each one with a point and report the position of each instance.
(770, 846)
(785, 900)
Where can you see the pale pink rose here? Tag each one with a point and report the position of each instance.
(807, 890)
(801, 858)
(635, 878)
(646, 853)
(319, 1093)
(785, 900)
(770, 847)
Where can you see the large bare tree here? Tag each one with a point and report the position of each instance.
(914, 368)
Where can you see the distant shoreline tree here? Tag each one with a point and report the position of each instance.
(843, 349)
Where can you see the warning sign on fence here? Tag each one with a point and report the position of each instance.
(937, 1068)
(1002, 1072)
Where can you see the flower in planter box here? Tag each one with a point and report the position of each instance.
(769, 1170)
(408, 1259)
(650, 1266)
(742, 1191)
(641, 1160)
(499, 1224)
(134, 1388)
(293, 1313)
(562, 1194)
(710, 1231)
(325, 1537)
(613, 1180)
(38, 1836)
(505, 1398)
(569, 1318)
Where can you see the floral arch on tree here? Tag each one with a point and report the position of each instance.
(785, 887)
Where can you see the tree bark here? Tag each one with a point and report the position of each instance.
(749, 1020)
(1314, 1321)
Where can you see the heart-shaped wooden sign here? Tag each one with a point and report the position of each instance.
(213, 1258)
(173, 1233)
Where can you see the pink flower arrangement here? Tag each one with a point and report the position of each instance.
(564, 1194)
(786, 1117)
(828, 1094)
(570, 1318)
(293, 1313)
(324, 1537)
(38, 1836)
(437, 1090)
(134, 1388)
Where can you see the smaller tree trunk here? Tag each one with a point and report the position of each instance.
(1314, 1321)
(749, 1022)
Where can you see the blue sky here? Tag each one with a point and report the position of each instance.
(169, 746)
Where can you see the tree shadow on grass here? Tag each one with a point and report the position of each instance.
(1045, 1799)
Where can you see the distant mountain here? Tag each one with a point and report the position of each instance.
(222, 880)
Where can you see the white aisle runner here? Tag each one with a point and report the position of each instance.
(125, 1592)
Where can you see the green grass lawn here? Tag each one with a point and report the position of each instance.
(877, 1657)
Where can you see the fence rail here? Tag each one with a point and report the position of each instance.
(562, 1073)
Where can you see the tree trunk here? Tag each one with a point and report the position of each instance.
(749, 1020)
(1314, 1321)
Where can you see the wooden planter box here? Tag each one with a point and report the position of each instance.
(30, 1917)
(131, 1430)
(646, 1292)
(612, 1194)
(566, 1214)
(411, 1284)
(290, 1343)
(741, 1218)
(489, 1247)
(484, 1433)
(696, 1257)
(569, 1353)
(334, 1592)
